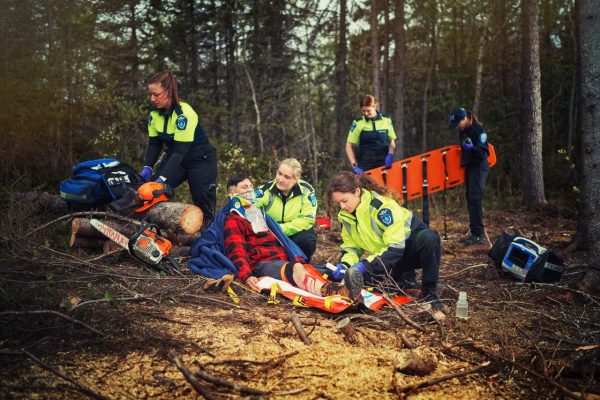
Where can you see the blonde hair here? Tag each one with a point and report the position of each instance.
(294, 165)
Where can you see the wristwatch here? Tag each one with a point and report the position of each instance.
(354, 165)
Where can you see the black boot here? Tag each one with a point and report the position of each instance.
(429, 295)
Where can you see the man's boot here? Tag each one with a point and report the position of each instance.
(306, 277)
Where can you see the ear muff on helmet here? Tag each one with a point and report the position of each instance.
(152, 193)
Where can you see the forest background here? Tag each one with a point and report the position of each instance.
(283, 78)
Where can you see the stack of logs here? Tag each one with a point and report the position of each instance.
(179, 222)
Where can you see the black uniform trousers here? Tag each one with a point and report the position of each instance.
(423, 251)
(475, 177)
(200, 170)
(307, 241)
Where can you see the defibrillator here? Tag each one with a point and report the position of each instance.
(521, 255)
(526, 260)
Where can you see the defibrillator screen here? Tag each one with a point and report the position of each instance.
(518, 257)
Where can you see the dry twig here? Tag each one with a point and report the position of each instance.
(189, 377)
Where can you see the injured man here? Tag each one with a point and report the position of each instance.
(257, 251)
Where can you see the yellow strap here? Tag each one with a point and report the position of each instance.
(329, 299)
(273, 296)
(299, 301)
(233, 296)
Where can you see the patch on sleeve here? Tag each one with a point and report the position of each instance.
(385, 216)
(353, 126)
(313, 199)
(483, 137)
(149, 119)
(181, 122)
(259, 193)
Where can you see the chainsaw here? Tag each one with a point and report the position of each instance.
(146, 245)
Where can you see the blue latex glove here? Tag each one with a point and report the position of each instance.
(338, 273)
(146, 173)
(360, 266)
(467, 144)
(159, 180)
(389, 159)
(358, 170)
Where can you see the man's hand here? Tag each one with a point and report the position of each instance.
(251, 282)
(221, 284)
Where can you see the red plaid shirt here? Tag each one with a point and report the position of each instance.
(245, 248)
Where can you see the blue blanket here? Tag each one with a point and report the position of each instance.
(208, 252)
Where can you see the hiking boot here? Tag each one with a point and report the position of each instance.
(334, 289)
(473, 240)
(409, 283)
(434, 300)
(353, 280)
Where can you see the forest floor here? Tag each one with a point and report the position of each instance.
(114, 330)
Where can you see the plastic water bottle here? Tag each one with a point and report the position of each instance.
(462, 306)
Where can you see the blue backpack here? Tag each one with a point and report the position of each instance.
(96, 183)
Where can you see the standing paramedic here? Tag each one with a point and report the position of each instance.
(474, 152)
(292, 203)
(370, 142)
(381, 239)
(189, 154)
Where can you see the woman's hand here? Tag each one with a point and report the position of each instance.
(251, 282)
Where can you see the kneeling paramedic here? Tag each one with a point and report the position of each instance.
(397, 241)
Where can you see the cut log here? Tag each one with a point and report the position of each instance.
(82, 226)
(41, 202)
(178, 217)
(182, 239)
(86, 242)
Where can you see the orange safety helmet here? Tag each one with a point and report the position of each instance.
(151, 193)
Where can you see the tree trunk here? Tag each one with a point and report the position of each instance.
(375, 51)
(179, 217)
(385, 91)
(429, 78)
(479, 72)
(589, 34)
(533, 174)
(399, 64)
(340, 68)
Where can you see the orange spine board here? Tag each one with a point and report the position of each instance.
(436, 174)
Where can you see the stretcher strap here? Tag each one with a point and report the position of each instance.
(425, 195)
(404, 185)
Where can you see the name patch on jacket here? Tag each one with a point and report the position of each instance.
(181, 122)
(385, 216)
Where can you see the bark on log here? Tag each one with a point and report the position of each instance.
(178, 217)
(86, 242)
(182, 239)
(41, 202)
(82, 226)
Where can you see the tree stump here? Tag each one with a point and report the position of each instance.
(413, 362)
(348, 329)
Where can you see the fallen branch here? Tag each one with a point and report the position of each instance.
(83, 214)
(52, 312)
(548, 379)
(189, 377)
(401, 313)
(80, 387)
(434, 381)
(462, 270)
(299, 329)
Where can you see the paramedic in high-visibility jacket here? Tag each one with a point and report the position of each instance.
(292, 203)
(371, 139)
(188, 153)
(381, 239)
